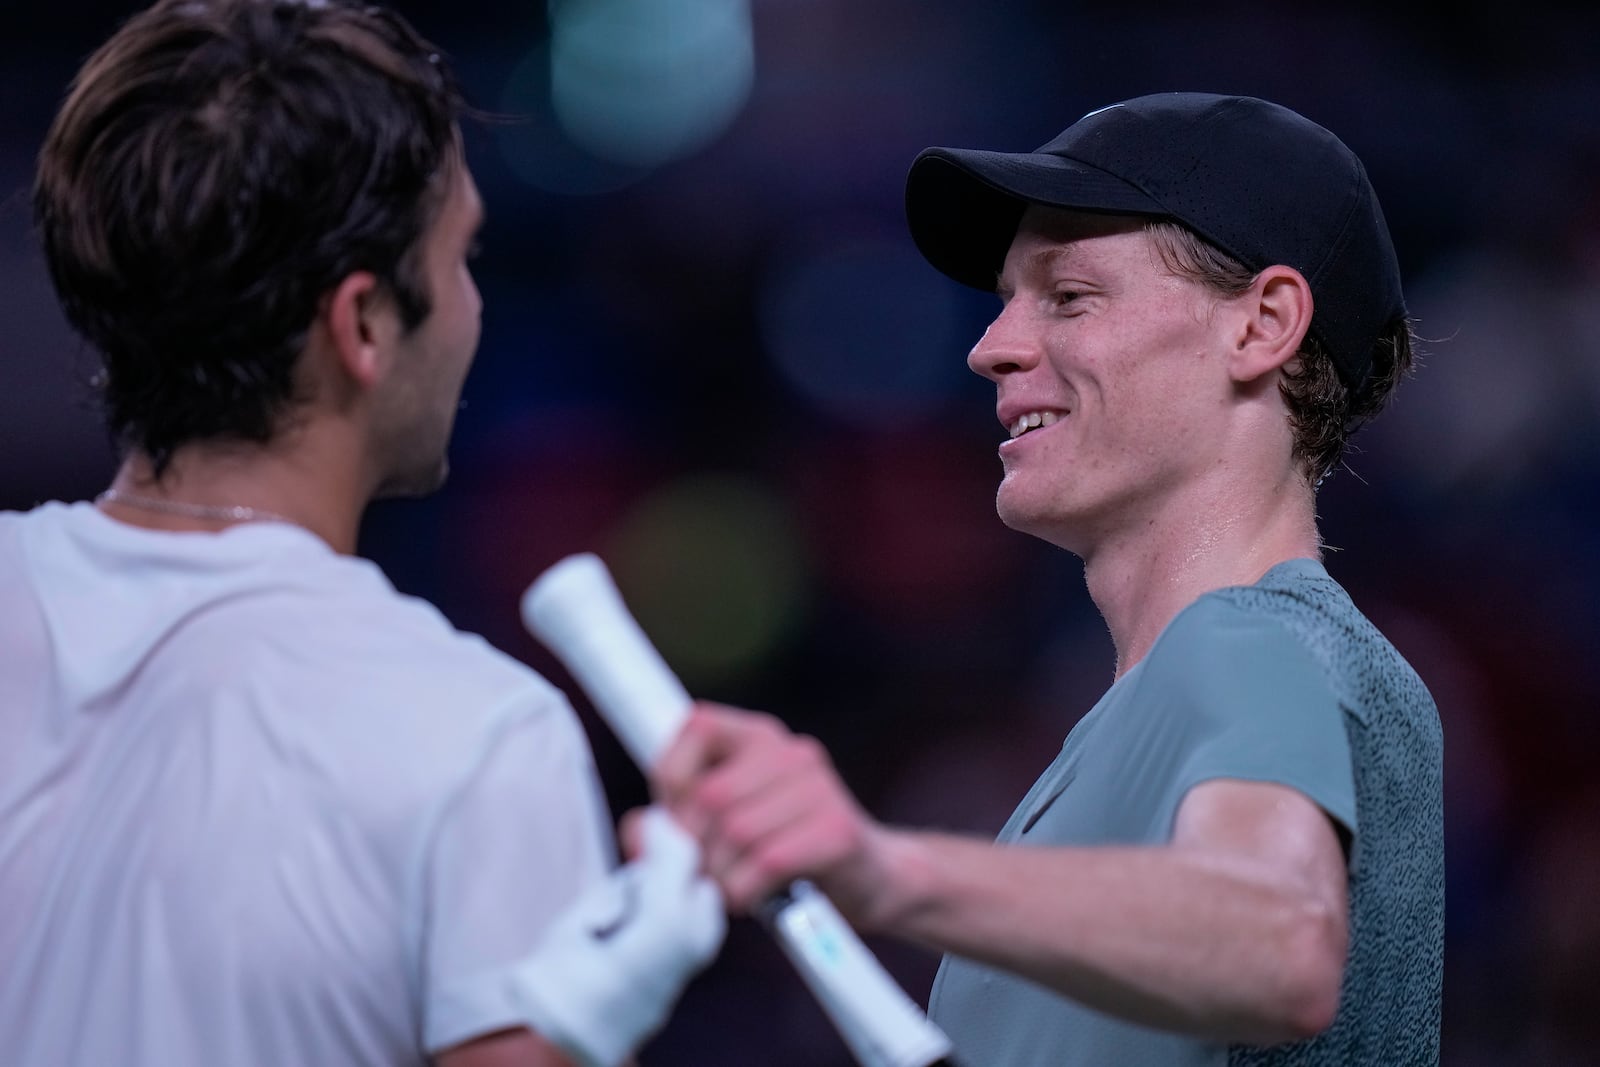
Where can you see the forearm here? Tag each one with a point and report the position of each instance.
(507, 1048)
(1178, 939)
(1235, 928)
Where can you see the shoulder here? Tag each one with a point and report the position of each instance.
(1364, 668)
(301, 598)
(1295, 610)
(1221, 629)
(52, 515)
(400, 657)
(1232, 654)
(417, 709)
(341, 648)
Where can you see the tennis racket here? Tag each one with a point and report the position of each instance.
(575, 609)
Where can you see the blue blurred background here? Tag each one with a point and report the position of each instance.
(712, 355)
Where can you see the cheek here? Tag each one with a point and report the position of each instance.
(1158, 399)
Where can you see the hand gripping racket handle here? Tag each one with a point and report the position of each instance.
(576, 610)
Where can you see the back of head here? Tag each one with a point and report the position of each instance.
(218, 166)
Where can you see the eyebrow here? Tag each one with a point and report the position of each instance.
(1046, 258)
(1038, 262)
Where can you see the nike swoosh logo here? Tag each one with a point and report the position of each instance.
(630, 906)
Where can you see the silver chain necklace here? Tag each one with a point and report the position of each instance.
(217, 512)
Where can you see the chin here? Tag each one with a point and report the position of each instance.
(1021, 512)
(414, 483)
(1038, 519)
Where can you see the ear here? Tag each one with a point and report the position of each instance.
(359, 315)
(1273, 317)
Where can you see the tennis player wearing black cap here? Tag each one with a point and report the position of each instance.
(1237, 856)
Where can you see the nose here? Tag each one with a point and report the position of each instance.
(1006, 347)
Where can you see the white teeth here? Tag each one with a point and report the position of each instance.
(1032, 421)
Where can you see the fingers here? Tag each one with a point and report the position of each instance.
(751, 865)
(771, 817)
(765, 803)
(712, 735)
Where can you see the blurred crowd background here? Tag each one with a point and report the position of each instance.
(712, 355)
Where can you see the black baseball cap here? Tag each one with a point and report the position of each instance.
(1259, 181)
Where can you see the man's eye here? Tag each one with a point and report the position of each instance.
(1063, 297)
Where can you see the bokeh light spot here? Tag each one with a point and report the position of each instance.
(645, 82)
(865, 330)
(712, 568)
(538, 150)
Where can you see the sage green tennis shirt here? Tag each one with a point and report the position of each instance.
(1283, 681)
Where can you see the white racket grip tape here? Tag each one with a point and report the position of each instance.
(577, 611)
(881, 1024)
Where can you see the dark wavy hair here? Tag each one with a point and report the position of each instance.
(217, 167)
(1324, 413)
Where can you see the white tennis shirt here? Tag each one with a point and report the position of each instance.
(256, 807)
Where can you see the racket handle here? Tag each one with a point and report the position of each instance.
(882, 1026)
(577, 611)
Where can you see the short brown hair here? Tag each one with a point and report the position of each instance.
(1323, 412)
(217, 167)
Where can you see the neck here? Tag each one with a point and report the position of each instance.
(1210, 540)
(213, 486)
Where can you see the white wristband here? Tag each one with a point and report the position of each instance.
(609, 969)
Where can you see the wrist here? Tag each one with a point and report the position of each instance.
(586, 1013)
(899, 882)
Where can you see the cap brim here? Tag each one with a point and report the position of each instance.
(963, 205)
